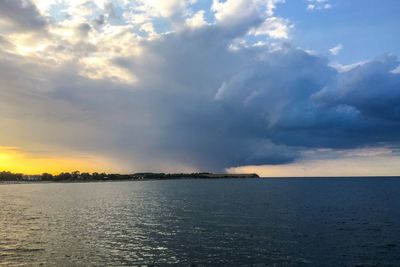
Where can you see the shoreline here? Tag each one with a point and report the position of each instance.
(122, 180)
(189, 178)
(77, 177)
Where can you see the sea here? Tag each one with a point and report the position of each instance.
(227, 222)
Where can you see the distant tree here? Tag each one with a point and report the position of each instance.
(86, 176)
(8, 176)
(64, 176)
(76, 175)
(47, 177)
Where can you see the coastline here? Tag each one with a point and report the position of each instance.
(37, 179)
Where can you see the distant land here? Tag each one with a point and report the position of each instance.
(77, 176)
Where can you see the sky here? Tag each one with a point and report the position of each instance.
(276, 87)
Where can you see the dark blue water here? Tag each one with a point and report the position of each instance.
(262, 222)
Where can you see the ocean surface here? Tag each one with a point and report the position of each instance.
(232, 222)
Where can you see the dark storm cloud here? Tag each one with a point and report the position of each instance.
(21, 15)
(198, 104)
(371, 88)
(303, 102)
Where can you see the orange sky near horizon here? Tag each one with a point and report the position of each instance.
(15, 160)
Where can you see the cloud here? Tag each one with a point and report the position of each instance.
(336, 50)
(184, 100)
(197, 20)
(165, 8)
(371, 165)
(274, 27)
(372, 89)
(20, 15)
(318, 5)
(235, 12)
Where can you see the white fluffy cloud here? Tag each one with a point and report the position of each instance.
(318, 5)
(197, 20)
(336, 50)
(165, 8)
(274, 27)
(242, 11)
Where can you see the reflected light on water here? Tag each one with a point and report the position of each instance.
(282, 222)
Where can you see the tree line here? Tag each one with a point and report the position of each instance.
(95, 176)
(69, 176)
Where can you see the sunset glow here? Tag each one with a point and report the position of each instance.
(15, 160)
